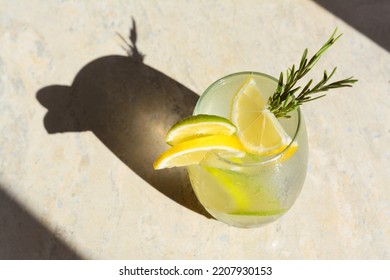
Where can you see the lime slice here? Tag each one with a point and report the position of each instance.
(257, 128)
(193, 151)
(249, 195)
(198, 126)
(235, 192)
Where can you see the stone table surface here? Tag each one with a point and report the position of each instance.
(88, 89)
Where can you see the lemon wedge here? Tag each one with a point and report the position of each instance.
(257, 128)
(194, 151)
(199, 126)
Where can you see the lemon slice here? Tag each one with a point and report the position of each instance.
(193, 151)
(198, 126)
(257, 128)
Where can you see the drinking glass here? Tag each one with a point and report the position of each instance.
(253, 190)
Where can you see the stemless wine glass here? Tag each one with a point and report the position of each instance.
(250, 191)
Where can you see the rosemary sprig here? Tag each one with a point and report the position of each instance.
(286, 97)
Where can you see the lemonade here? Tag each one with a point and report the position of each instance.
(250, 190)
(246, 144)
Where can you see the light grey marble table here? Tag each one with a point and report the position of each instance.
(81, 121)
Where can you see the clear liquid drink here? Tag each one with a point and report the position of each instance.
(253, 190)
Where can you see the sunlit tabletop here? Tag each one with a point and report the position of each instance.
(89, 88)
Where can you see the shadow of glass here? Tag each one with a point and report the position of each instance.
(22, 237)
(129, 106)
(370, 17)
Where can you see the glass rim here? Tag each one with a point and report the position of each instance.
(271, 158)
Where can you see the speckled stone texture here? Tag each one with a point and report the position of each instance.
(83, 115)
